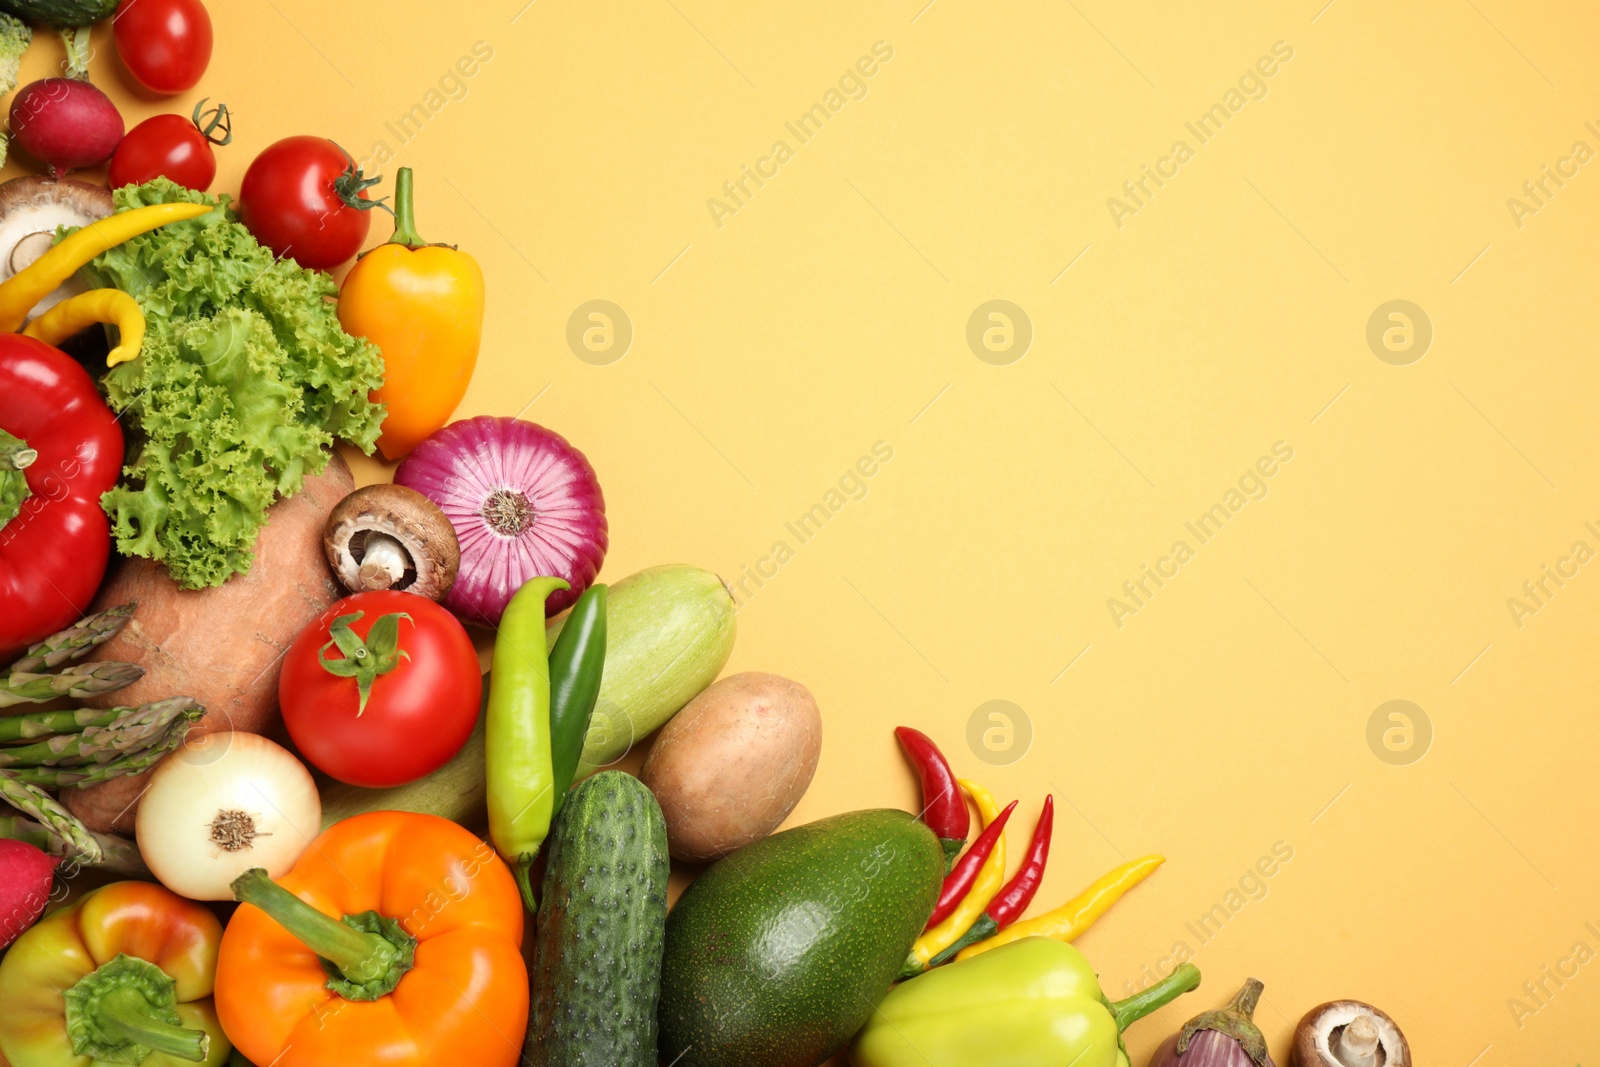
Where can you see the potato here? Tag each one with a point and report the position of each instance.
(732, 765)
(221, 646)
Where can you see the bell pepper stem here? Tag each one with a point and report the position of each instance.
(1131, 1009)
(361, 957)
(125, 1015)
(15, 458)
(14, 454)
(405, 221)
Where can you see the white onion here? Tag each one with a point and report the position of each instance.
(222, 804)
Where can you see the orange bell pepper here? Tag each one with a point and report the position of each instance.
(422, 305)
(125, 973)
(419, 925)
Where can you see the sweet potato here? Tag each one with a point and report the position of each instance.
(221, 646)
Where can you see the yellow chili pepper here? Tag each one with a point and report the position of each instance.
(991, 877)
(28, 286)
(79, 312)
(1076, 915)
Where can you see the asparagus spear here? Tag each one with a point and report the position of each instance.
(134, 730)
(36, 724)
(94, 774)
(120, 855)
(33, 801)
(77, 681)
(75, 642)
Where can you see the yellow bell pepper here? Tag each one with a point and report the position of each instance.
(422, 305)
(125, 975)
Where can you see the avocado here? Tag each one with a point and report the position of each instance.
(60, 13)
(777, 954)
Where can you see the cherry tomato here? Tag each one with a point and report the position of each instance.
(174, 147)
(424, 688)
(165, 44)
(305, 198)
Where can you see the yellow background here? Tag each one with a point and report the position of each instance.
(830, 312)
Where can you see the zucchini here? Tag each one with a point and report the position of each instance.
(669, 630)
(596, 971)
(61, 14)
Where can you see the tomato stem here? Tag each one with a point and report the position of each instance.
(209, 122)
(349, 185)
(364, 660)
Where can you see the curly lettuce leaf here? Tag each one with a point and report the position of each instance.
(244, 381)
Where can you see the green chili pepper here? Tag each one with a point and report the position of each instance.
(517, 733)
(576, 664)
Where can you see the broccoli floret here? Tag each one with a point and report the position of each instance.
(15, 36)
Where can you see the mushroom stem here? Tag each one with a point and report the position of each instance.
(383, 562)
(1357, 1043)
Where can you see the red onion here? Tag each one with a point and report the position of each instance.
(524, 503)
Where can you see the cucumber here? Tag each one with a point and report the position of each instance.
(596, 970)
(669, 630)
(60, 13)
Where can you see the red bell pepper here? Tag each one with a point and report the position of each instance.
(58, 438)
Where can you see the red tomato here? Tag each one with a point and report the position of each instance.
(304, 198)
(419, 712)
(165, 44)
(174, 147)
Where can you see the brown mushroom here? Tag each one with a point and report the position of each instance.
(1348, 1033)
(386, 536)
(31, 209)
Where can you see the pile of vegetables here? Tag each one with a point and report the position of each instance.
(387, 846)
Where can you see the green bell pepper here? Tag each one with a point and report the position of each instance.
(1032, 1003)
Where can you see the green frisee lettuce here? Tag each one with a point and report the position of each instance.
(244, 382)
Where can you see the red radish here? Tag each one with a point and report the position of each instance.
(65, 123)
(25, 875)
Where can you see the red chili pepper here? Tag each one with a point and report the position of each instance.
(965, 872)
(1009, 904)
(58, 437)
(944, 809)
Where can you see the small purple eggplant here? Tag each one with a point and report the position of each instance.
(1225, 1037)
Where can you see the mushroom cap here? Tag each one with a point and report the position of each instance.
(1312, 1046)
(423, 531)
(30, 210)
